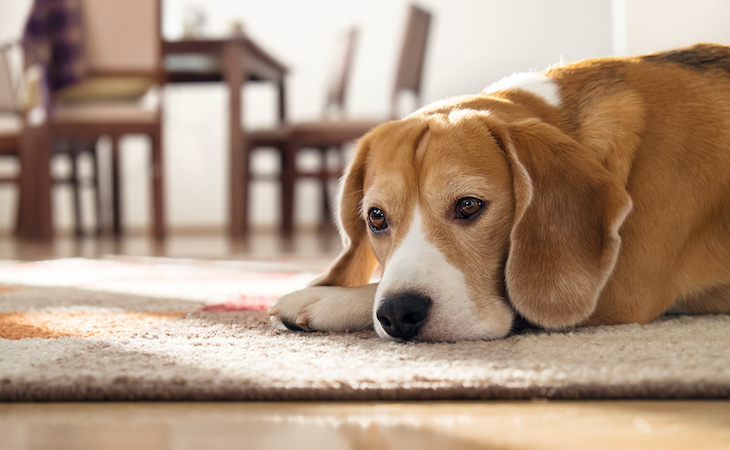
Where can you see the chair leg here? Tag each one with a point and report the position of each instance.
(245, 174)
(18, 206)
(326, 212)
(116, 192)
(76, 190)
(96, 185)
(288, 175)
(158, 185)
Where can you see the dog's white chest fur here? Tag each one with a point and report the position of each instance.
(534, 83)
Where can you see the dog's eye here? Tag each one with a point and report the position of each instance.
(376, 220)
(468, 208)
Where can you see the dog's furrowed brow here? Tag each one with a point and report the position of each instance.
(463, 185)
(419, 149)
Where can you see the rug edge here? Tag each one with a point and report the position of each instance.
(642, 391)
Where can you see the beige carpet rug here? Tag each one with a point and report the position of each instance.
(156, 329)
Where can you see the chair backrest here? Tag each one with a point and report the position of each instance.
(340, 73)
(413, 54)
(8, 89)
(122, 37)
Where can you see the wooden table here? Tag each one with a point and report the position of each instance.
(233, 61)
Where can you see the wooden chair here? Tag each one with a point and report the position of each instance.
(334, 133)
(10, 119)
(12, 130)
(122, 53)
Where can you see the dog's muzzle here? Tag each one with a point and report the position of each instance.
(402, 316)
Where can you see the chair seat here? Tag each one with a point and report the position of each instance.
(103, 113)
(105, 88)
(312, 132)
(327, 133)
(10, 133)
(10, 125)
(336, 126)
(268, 136)
(9, 144)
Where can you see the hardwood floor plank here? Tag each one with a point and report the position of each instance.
(458, 425)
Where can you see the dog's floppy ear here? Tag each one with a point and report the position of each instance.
(564, 241)
(355, 265)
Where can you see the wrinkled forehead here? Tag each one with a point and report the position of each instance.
(392, 154)
(411, 158)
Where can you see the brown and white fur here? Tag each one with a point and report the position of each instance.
(592, 193)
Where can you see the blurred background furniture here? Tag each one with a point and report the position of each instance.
(14, 137)
(334, 131)
(277, 138)
(109, 90)
(235, 61)
(10, 118)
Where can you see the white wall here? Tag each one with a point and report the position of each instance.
(473, 43)
(654, 25)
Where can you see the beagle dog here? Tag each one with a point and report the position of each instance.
(593, 193)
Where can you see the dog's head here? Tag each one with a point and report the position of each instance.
(474, 219)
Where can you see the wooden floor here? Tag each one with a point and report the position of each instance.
(411, 426)
(452, 425)
(192, 244)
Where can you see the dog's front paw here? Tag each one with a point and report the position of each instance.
(325, 308)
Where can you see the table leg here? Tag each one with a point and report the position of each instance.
(282, 100)
(116, 188)
(288, 177)
(158, 185)
(36, 215)
(234, 70)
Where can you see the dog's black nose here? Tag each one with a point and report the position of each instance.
(402, 316)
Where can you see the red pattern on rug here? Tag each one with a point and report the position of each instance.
(244, 302)
(91, 297)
